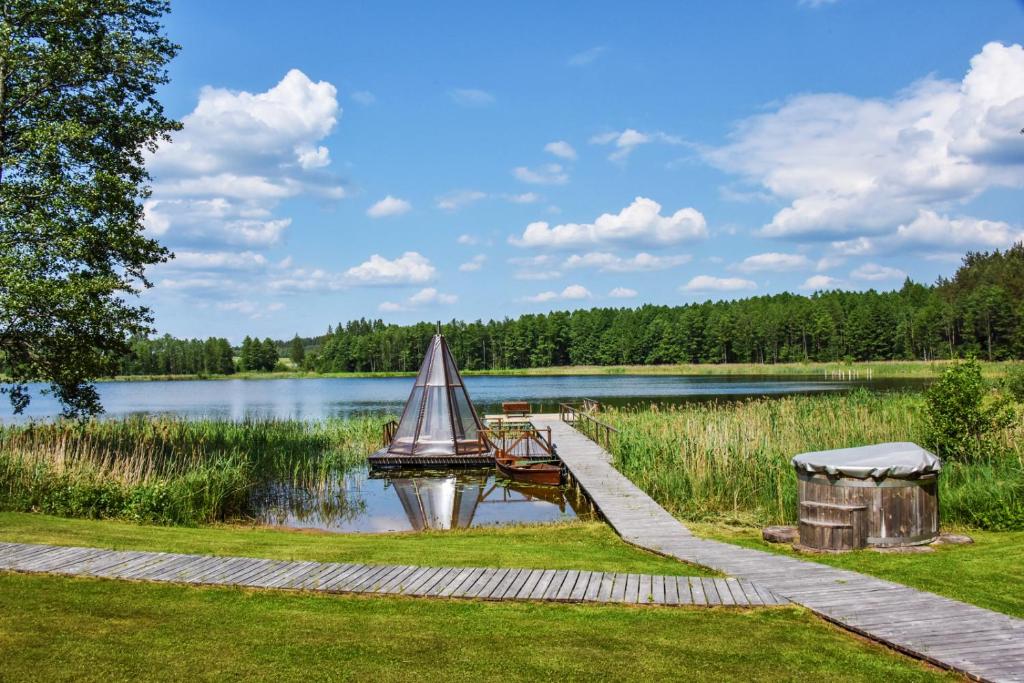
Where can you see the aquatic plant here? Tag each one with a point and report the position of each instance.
(171, 470)
(730, 461)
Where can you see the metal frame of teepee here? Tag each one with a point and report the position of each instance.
(439, 425)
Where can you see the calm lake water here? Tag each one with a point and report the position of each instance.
(414, 501)
(315, 399)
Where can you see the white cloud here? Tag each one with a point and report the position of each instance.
(474, 264)
(471, 97)
(206, 282)
(570, 293)
(829, 262)
(586, 56)
(548, 174)
(466, 238)
(623, 293)
(219, 260)
(872, 272)
(561, 149)
(389, 306)
(389, 206)
(708, 283)
(641, 222)
(609, 262)
(820, 282)
(627, 140)
(364, 97)
(772, 261)
(430, 295)
(929, 228)
(849, 166)
(523, 198)
(409, 268)
(459, 198)
(252, 309)
(237, 156)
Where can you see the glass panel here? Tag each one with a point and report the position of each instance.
(435, 377)
(435, 437)
(466, 426)
(406, 432)
(421, 376)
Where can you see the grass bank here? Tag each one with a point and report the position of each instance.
(875, 369)
(168, 470)
(729, 462)
(77, 629)
(571, 545)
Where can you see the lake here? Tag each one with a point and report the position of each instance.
(319, 398)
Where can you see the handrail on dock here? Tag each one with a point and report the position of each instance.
(521, 442)
(389, 430)
(585, 422)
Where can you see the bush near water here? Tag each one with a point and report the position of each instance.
(170, 470)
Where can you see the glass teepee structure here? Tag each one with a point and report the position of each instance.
(439, 425)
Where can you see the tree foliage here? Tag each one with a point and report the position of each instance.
(78, 110)
(962, 412)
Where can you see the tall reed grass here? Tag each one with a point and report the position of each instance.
(731, 461)
(169, 470)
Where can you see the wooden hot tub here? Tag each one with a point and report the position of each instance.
(881, 495)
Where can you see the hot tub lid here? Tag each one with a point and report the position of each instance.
(900, 460)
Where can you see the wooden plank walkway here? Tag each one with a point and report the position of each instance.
(329, 577)
(983, 644)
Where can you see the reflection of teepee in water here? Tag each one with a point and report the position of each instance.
(439, 425)
(438, 502)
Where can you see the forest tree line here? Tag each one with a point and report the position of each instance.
(979, 312)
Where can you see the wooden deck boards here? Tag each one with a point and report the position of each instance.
(921, 624)
(329, 577)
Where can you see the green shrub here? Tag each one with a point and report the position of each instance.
(1014, 382)
(963, 413)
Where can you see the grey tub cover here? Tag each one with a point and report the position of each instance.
(900, 460)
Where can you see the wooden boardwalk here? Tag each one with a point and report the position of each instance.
(481, 583)
(983, 644)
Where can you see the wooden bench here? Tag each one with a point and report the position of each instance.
(516, 408)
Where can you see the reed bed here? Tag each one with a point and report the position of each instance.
(731, 461)
(170, 470)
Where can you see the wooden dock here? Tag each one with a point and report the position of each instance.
(479, 583)
(980, 643)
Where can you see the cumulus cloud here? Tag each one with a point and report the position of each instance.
(709, 283)
(471, 97)
(389, 206)
(623, 293)
(641, 222)
(468, 239)
(609, 262)
(454, 201)
(428, 296)
(237, 156)
(849, 166)
(872, 272)
(772, 261)
(570, 293)
(817, 283)
(586, 56)
(252, 309)
(409, 268)
(548, 174)
(625, 141)
(474, 264)
(561, 149)
(539, 267)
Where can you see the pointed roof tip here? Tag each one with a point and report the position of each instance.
(439, 327)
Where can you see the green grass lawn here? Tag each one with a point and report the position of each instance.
(988, 573)
(54, 628)
(572, 545)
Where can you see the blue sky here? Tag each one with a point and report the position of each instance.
(421, 161)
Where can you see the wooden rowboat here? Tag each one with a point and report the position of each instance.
(534, 472)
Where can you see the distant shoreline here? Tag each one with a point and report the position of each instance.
(863, 370)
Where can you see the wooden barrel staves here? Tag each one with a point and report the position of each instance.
(883, 495)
